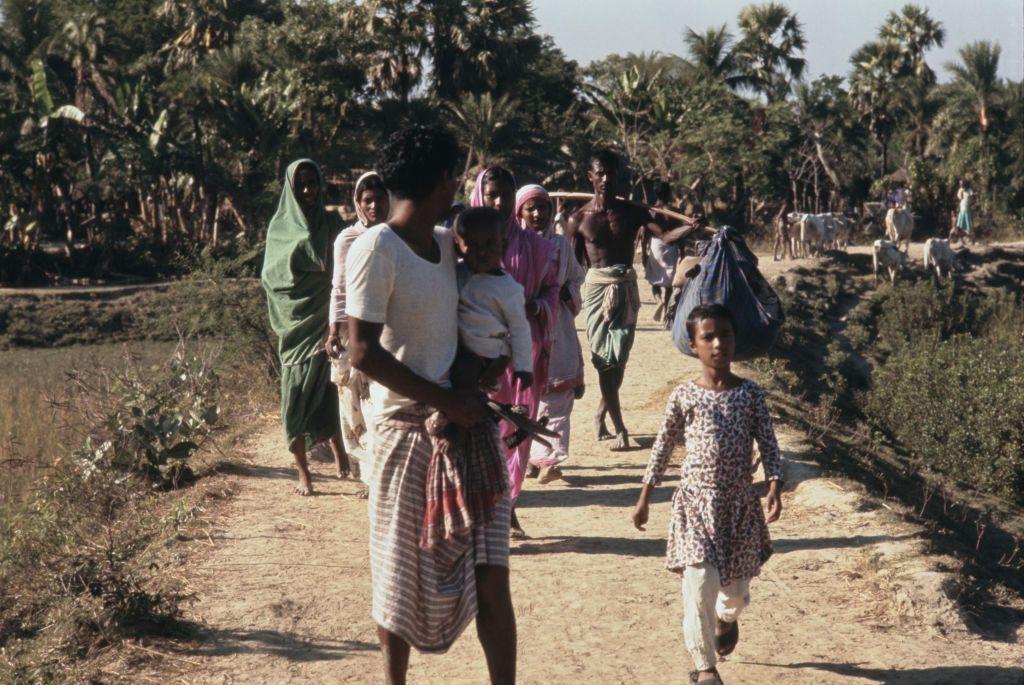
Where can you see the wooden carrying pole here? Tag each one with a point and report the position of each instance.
(587, 197)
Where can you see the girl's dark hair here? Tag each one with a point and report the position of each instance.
(371, 183)
(477, 217)
(707, 311)
(499, 174)
(414, 160)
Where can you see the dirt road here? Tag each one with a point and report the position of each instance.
(851, 596)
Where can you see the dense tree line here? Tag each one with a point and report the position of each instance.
(145, 128)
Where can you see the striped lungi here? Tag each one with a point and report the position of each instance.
(426, 597)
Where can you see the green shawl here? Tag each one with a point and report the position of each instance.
(297, 272)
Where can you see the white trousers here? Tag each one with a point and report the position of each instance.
(705, 600)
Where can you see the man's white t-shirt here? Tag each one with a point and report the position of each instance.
(416, 300)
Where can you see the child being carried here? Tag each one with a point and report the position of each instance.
(493, 329)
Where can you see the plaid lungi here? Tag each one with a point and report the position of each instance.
(426, 597)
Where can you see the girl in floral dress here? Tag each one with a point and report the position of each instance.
(718, 536)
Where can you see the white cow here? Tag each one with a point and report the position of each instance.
(939, 255)
(886, 255)
(811, 233)
(844, 228)
(899, 226)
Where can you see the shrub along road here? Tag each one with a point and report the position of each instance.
(852, 595)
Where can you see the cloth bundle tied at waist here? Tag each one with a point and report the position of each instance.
(611, 302)
(465, 477)
(620, 301)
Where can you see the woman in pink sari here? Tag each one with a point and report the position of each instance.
(535, 211)
(533, 262)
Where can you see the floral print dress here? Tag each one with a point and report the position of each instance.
(717, 517)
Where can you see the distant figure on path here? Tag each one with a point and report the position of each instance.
(604, 232)
(372, 204)
(718, 535)
(660, 257)
(297, 279)
(964, 227)
(565, 368)
(402, 302)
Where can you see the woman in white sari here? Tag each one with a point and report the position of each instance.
(372, 205)
(535, 211)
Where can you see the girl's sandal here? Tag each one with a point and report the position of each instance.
(713, 679)
(726, 641)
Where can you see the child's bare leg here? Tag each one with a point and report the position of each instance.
(340, 456)
(298, 450)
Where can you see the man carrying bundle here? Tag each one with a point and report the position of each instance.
(604, 232)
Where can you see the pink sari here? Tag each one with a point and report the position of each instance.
(533, 262)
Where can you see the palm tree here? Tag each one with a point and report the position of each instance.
(874, 92)
(471, 44)
(976, 80)
(767, 52)
(711, 52)
(82, 42)
(399, 29)
(480, 120)
(913, 32)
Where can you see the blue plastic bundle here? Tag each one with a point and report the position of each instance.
(728, 276)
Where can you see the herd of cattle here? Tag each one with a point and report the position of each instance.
(800, 235)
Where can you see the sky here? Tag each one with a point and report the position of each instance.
(590, 29)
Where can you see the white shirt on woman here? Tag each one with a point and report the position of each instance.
(416, 300)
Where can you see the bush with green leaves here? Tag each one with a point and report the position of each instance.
(957, 407)
(154, 426)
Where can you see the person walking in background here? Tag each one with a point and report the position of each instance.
(660, 257)
(373, 205)
(964, 227)
(718, 536)
(532, 261)
(296, 276)
(565, 368)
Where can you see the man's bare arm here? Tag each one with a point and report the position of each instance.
(579, 246)
(371, 358)
(672, 235)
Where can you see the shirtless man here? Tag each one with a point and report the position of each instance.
(604, 233)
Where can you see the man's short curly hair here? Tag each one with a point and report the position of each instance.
(414, 160)
(607, 158)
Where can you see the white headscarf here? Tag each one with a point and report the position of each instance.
(355, 196)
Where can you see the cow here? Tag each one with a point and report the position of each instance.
(844, 227)
(938, 255)
(886, 255)
(899, 226)
(811, 233)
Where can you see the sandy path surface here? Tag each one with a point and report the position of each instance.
(851, 595)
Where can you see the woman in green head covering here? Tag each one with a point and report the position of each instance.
(297, 278)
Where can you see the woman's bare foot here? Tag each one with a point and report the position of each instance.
(621, 441)
(532, 471)
(601, 429)
(341, 463)
(305, 486)
(516, 531)
(343, 467)
(549, 474)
